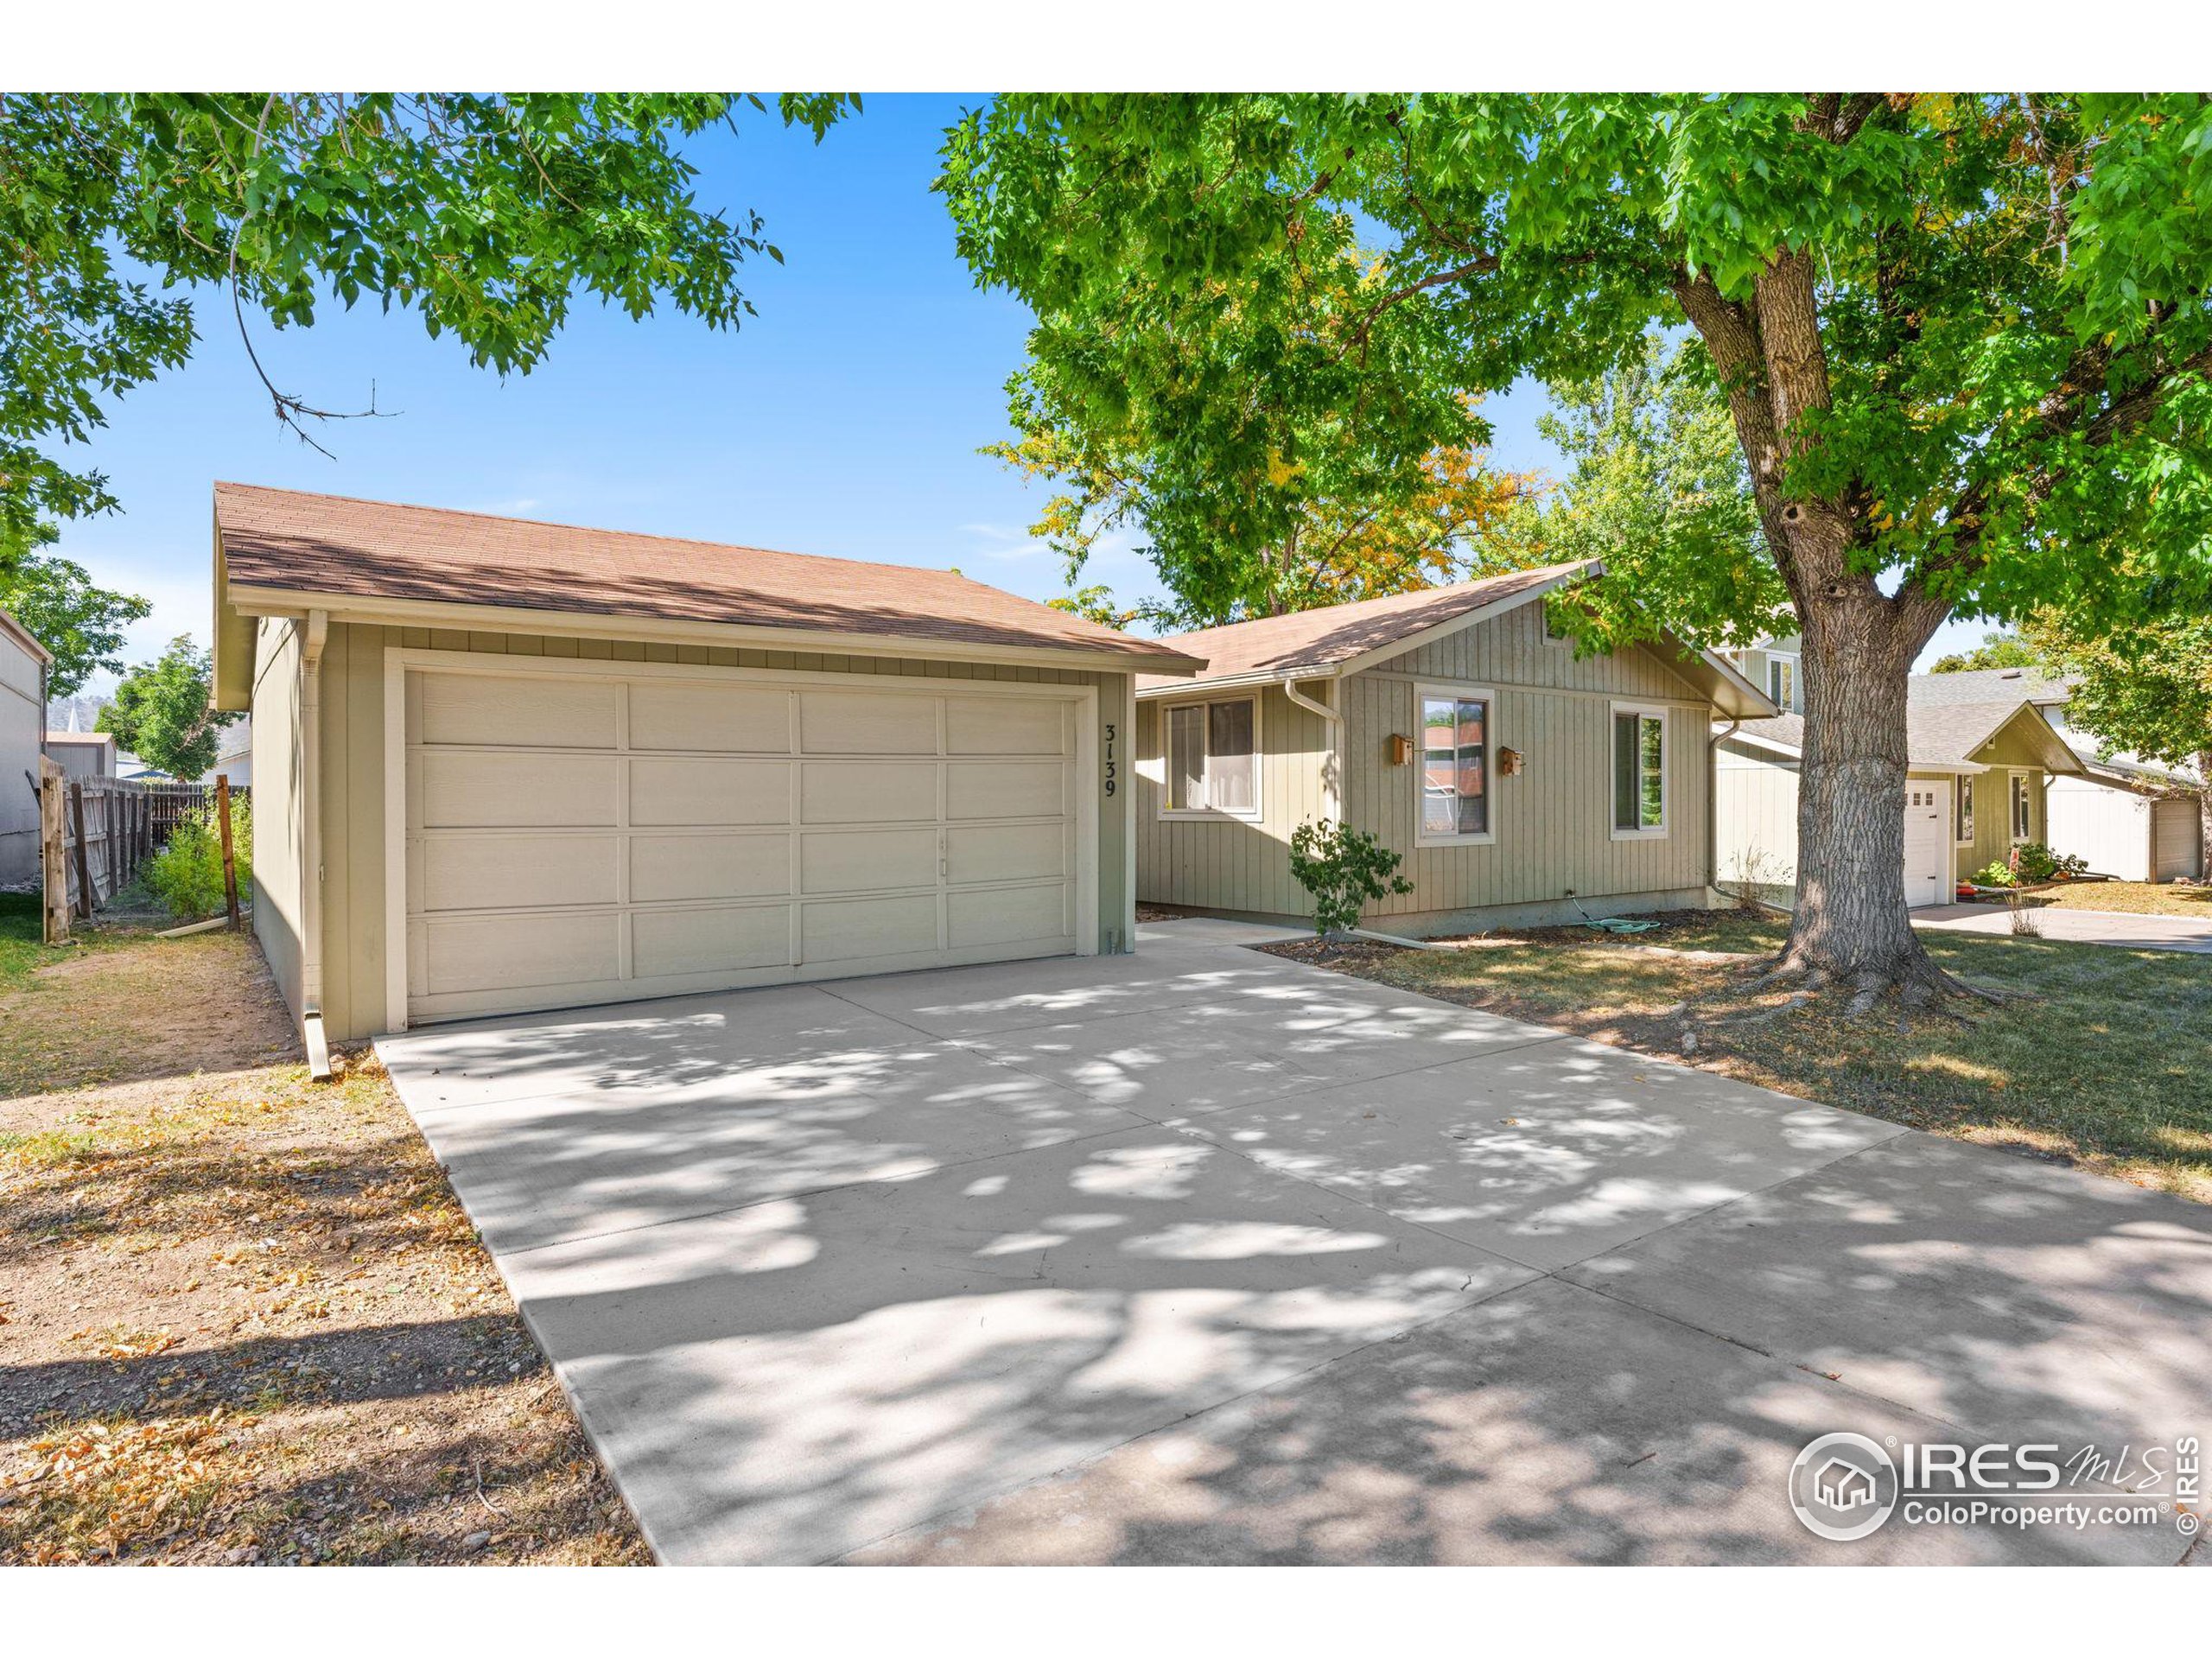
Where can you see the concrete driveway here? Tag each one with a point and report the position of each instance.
(2132, 933)
(1206, 1255)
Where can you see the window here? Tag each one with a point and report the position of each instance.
(1782, 681)
(1455, 765)
(1639, 771)
(1965, 832)
(1212, 759)
(2020, 799)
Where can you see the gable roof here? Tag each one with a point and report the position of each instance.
(2005, 685)
(1943, 737)
(277, 550)
(1338, 639)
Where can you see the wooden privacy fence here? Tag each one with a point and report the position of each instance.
(95, 833)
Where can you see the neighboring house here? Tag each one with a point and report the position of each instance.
(234, 760)
(1517, 779)
(83, 754)
(537, 766)
(2125, 817)
(23, 666)
(1978, 769)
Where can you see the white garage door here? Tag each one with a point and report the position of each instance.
(2177, 840)
(1927, 841)
(631, 834)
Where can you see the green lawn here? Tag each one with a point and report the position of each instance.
(2104, 1059)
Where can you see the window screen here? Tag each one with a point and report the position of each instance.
(1455, 779)
(1639, 771)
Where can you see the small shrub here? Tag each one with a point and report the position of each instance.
(1344, 870)
(1996, 874)
(186, 875)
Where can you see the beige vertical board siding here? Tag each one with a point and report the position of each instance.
(353, 718)
(1224, 863)
(23, 735)
(1992, 801)
(279, 893)
(1756, 806)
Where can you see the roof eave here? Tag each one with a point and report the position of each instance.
(248, 600)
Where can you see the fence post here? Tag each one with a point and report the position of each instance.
(85, 898)
(51, 866)
(229, 865)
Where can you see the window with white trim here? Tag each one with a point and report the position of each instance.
(2021, 827)
(1213, 761)
(1964, 811)
(1639, 771)
(1782, 682)
(1455, 765)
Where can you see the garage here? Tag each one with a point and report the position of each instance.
(2177, 840)
(577, 836)
(1927, 842)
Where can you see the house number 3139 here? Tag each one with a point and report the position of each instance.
(1113, 771)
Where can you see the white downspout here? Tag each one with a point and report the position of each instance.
(315, 636)
(1332, 803)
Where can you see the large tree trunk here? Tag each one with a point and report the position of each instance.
(1851, 921)
(2203, 815)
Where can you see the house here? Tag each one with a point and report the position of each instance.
(504, 765)
(1520, 783)
(234, 760)
(83, 754)
(23, 667)
(2124, 817)
(1976, 777)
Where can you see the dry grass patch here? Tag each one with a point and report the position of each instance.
(2131, 897)
(2101, 1061)
(243, 1316)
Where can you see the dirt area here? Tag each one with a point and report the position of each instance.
(2096, 1056)
(242, 1317)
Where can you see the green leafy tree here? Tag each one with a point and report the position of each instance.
(1343, 870)
(80, 623)
(485, 214)
(1654, 464)
(2000, 649)
(163, 712)
(1963, 340)
(2146, 689)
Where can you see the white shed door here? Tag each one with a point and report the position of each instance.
(1927, 842)
(2177, 840)
(605, 837)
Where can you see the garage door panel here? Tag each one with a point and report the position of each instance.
(1010, 852)
(674, 791)
(462, 789)
(525, 711)
(512, 952)
(453, 872)
(1004, 726)
(653, 833)
(846, 929)
(665, 868)
(663, 942)
(867, 791)
(692, 715)
(866, 860)
(866, 722)
(1008, 916)
(1005, 789)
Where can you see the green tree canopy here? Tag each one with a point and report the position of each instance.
(485, 214)
(1997, 649)
(80, 623)
(1965, 343)
(163, 713)
(2147, 689)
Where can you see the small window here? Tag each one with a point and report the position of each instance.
(1782, 682)
(1965, 787)
(1454, 766)
(1212, 760)
(2021, 829)
(1639, 771)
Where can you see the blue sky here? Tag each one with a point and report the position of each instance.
(844, 419)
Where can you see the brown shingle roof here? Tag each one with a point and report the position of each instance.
(1311, 640)
(382, 550)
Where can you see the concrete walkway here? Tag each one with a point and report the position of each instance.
(2132, 933)
(1207, 1255)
